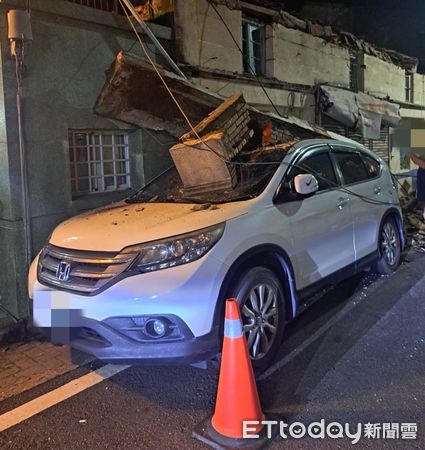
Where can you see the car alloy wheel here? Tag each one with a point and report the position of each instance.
(389, 248)
(260, 316)
(261, 298)
(389, 243)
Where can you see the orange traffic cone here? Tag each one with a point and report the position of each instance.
(237, 396)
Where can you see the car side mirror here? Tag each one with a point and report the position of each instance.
(305, 185)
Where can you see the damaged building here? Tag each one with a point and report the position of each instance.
(98, 123)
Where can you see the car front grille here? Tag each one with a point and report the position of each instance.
(85, 272)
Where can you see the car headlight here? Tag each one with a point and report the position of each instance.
(176, 250)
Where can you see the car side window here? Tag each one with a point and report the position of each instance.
(352, 167)
(373, 166)
(319, 165)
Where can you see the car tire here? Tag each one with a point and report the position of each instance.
(261, 299)
(389, 248)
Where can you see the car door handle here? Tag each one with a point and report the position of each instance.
(377, 190)
(342, 202)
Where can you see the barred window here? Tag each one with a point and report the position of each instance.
(99, 161)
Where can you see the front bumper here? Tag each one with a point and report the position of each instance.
(186, 294)
(107, 344)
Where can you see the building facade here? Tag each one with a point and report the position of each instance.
(292, 57)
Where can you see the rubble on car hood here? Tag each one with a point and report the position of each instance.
(126, 224)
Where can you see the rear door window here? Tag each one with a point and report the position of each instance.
(352, 167)
(373, 167)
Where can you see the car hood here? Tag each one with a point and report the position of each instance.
(119, 225)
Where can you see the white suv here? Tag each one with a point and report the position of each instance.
(146, 279)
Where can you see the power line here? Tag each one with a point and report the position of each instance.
(186, 118)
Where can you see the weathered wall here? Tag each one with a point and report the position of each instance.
(11, 242)
(287, 102)
(383, 79)
(419, 89)
(291, 55)
(156, 153)
(64, 72)
(202, 38)
(305, 59)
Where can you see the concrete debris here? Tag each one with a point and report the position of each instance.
(230, 130)
(228, 134)
(231, 116)
(201, 207)
(415, 225)
(418, 242)
(223, 134)
(134, 94)
(208, 157)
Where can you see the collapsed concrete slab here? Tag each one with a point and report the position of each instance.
(133, 93)
(220, 130)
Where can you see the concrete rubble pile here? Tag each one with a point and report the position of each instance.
(414, 223)
(230, 131)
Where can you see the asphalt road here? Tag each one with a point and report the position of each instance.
(356, 356)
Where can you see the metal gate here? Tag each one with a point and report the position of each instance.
(380, 146)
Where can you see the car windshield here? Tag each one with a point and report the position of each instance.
(253, 173)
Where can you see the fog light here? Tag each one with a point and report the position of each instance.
(156, 328)
(159, 327)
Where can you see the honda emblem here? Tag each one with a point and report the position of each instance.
(63, 271)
